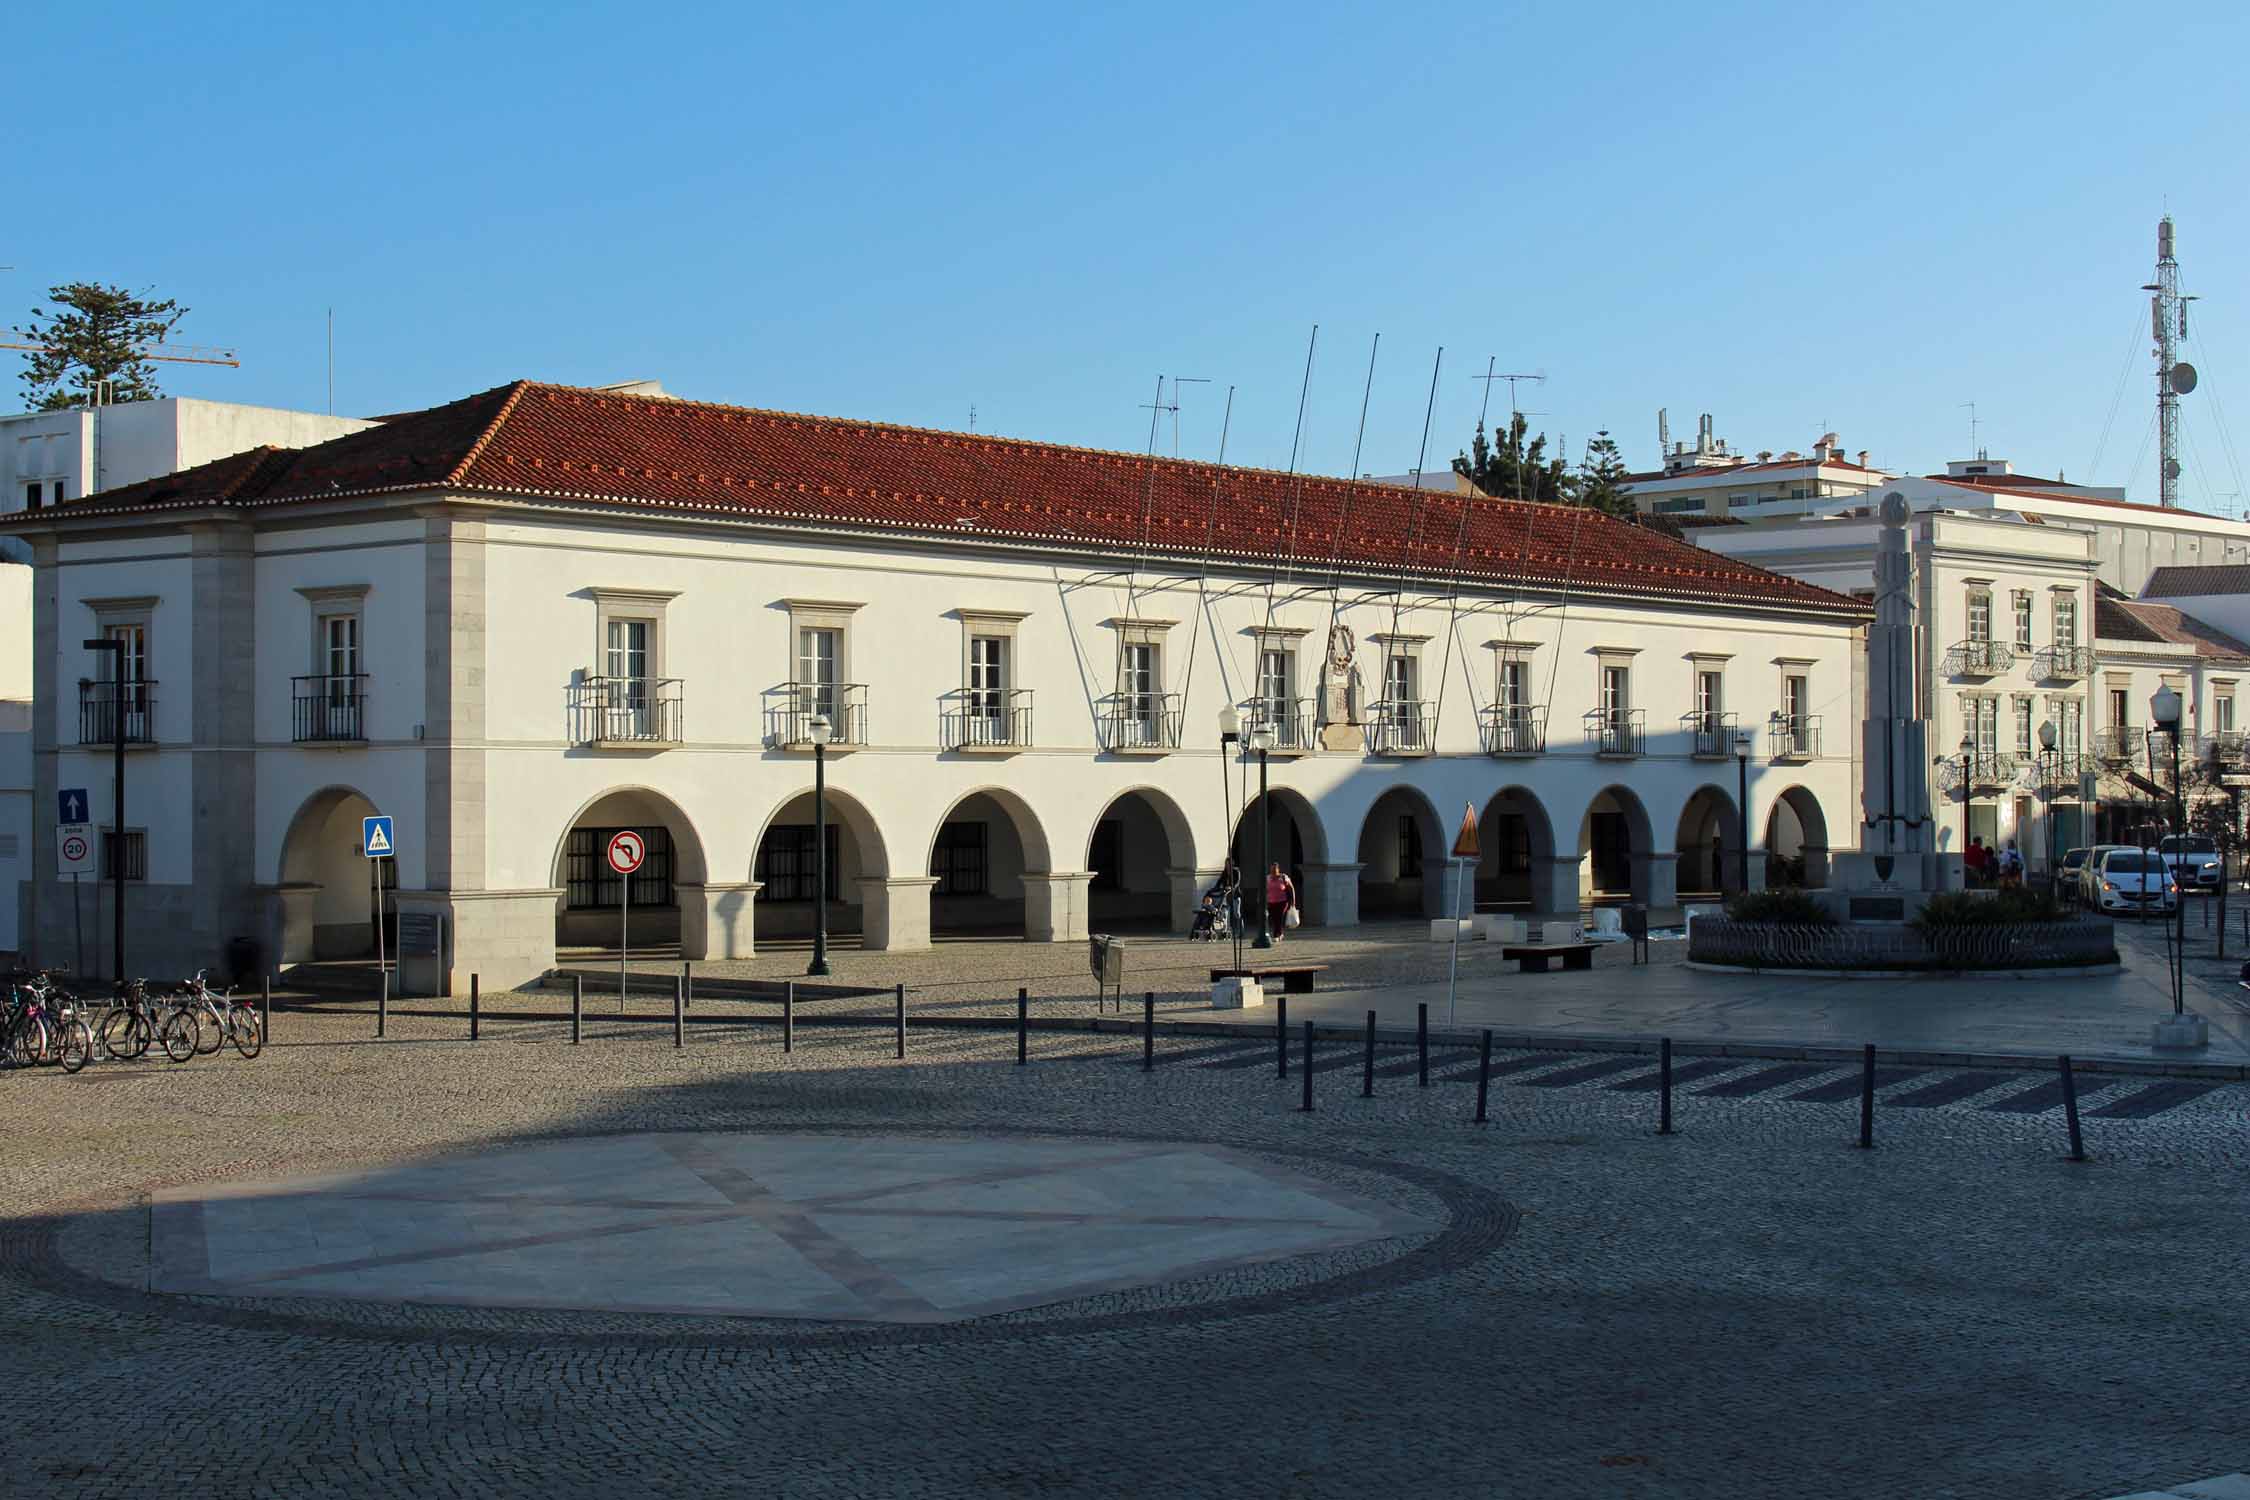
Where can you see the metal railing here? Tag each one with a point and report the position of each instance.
(2223, 744)
(1139, 721)
(2062, 663)
(792, 706)
(625, 711)
(1617, 731)
(2120, 742)
(1710, 736)
(102, 706)
(1986, 770)
(987, 718)
(2056, 772)
(1290, 719)
(1853, 945)
(1513, 728)
(1792, 737)
(1979, 659)
(329, 708)
(1401, 726)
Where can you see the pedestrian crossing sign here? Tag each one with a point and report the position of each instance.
(375, 837)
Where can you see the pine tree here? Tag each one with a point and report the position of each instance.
(1601, 477)
(94, 339)
(1517, 468)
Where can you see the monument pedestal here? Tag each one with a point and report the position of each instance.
(2182, 1031)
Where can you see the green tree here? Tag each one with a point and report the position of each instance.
(1601, 477)
(1513, 465)
(95, 337)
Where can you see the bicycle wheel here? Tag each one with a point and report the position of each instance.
(178, 1035)
(27, 1041)
(125, 1034)
(210, 1028)
(242, 1026)
(76, 1046)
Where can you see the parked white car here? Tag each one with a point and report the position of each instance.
(2089, 876)
(2194, 861)
(2124, 880)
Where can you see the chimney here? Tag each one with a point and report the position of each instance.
(1820, 451)
(1863, 458)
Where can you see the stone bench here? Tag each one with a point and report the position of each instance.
(1296, 979)
(1535, 958)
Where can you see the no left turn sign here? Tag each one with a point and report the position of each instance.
(627, 850)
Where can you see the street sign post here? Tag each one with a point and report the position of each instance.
(377, 845)
(1466, 853)
(74, 856)
(626, 852)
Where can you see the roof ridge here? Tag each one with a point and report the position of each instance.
(515, 389)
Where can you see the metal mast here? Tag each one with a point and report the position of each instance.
(2174, 376)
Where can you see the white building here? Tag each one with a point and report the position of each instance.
(527, 618)
(1710, 479)
(2146, 645)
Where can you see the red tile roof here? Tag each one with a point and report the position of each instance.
(2120, 619)
(2176, 580)
(565, 444)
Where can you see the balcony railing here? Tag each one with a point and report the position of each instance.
(330, 708)
(1617, 731)
(2223, 745)
(1792, 737)
(987, 719)
(1401, 726)
(2055, 772)
(2120, 743)
(792, 706)
(2063, 663)
(103, 706)
(1290, 719)
(625, 711)
(1710, 736)
(1987, 770)
(1513, 728)
(1139, 722)
(1979, 659)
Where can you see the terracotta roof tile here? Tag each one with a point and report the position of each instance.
(2180, 580)
(655, 453)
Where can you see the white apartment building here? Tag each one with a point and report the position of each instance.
(1709, 479)
(527, 619)
(2145, 645)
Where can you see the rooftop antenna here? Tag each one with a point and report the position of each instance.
(1973, 448)
(1177, 382)
(972, 416)
(2175, 377)
(332, 361)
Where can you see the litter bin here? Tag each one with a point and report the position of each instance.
(244, 960)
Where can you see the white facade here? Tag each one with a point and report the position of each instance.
(490, 727)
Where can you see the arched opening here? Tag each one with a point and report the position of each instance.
(1796, 842)
(988, 851)
(327, 884)
(1614, 845)
(1402, 858)
(1513, 834)
(787, 869)
(1297, 844)
(1710, 845)
(1140, 852)
(593, 913)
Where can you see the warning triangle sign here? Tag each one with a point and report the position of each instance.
(378, 840)
(1465, 843)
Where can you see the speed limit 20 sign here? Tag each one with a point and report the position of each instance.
(627, 850)
(74, 849)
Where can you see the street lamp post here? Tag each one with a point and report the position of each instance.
(1742, 811)
(1261, 740)
(117, 802)
(819, 731)
(1230, 733)
(2164, 709)
(1968, 784)
(2047, 764)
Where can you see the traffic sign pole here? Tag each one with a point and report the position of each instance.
(625, 853)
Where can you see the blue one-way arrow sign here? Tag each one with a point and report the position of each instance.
(74, 805)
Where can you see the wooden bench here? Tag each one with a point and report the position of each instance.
(1296, 979)
(1537, 956)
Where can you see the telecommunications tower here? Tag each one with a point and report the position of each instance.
(2175, 377)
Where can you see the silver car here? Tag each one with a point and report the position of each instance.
(2194, 861)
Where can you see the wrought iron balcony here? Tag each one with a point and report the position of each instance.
(2063, 663)
(625, 711)
(1988, 770)
(1792, 737)
(1709, 736)
(1513, 728)
(1290, 719)
(1401, 726)
(330, 708)
(1617, 731)
(2120, 744)
(1979, 659)
(1139, 723)
(2055, 773)
(987, 719)
(792, 706)
(2224, 745)
(104, 706)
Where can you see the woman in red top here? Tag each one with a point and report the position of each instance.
(1281, 894)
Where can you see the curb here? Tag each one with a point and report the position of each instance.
(2059, 971)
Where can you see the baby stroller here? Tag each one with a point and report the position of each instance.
(1211, 919)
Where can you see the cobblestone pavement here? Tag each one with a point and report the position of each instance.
(1750, 1307)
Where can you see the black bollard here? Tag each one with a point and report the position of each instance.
(1306, 1107)
(687, 984)
(265, 1007)
(472, 1007)
(1867, 1099)
(1484, 1074)
(789, 1016)
(1023, 1026)
(1367, 1061)
(1148, 1030)
(1422, 1042)
(577, 1005)
(1281, 1036)
(383, 1002)
(2070, 1111)
(679, 1011)
(898, 1017)
(1664, 1085)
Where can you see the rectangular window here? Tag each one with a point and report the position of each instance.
(959, 862)
(1277, 681)
(1709, 699)
(818, 650)
(1984, 724)
(2071, 739)
(2022, 603)
(136, 854)
(788, 867)
(133, 695)
(2023, 726)
(1514, 687)
(988, 676)
(2222, 713)
(1409, 847)
(1796, 696)
(1616, 694)
(2066, 622)
(589, 884)
(2120, 708)
(31, 495)
(1139, 680)
(1398, 678)
(1679, 503)
(1980, 614)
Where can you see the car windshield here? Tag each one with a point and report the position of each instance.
(2130, 864)
(2074, 859)
(2188, 846)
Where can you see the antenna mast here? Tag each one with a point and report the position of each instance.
(2175, 377)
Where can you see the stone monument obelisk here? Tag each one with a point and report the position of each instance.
(1894, 871)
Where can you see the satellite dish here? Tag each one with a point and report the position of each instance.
(2183, 378)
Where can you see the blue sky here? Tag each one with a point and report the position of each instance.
(1848, 217)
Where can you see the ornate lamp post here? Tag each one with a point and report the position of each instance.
(1742, 743)
(2164, 712)
(820, 732)
(1230, 733)
(2047, 765)
(1968, 783)
(1261, 740)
